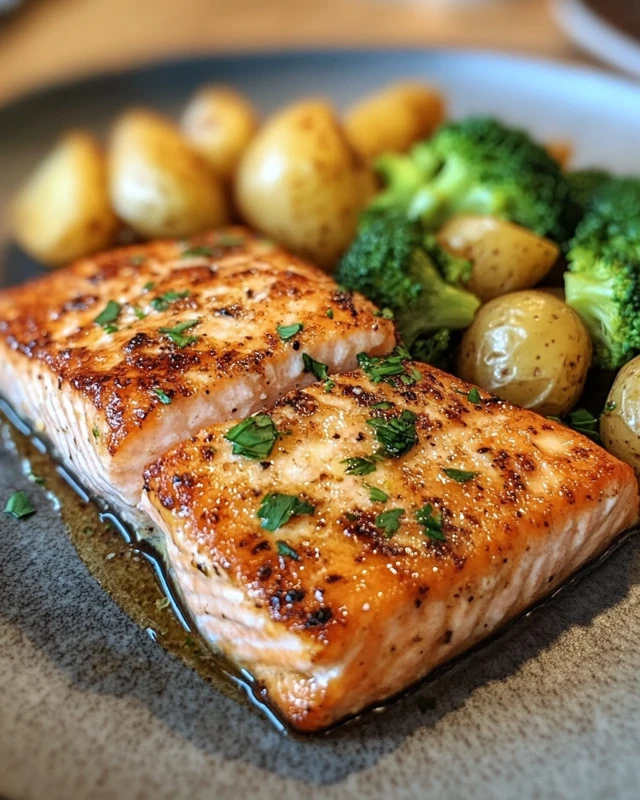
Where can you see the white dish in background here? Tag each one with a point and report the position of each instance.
(598, 36)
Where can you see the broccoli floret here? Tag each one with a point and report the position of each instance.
(454, 269)
(388, 263)
(436, 349)
(585, 183)
(480, 166)
(603, 281)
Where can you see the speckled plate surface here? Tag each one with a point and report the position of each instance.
(91, 707)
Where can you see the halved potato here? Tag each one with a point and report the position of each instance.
(302, 183)
(158, 184)
(620, 422)
(219, 123)
(63, 211)
(392, 119)
(506, 257)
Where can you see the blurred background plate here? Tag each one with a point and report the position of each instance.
(91, 708)
(608, 29)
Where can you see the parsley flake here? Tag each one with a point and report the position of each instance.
(109, 314)
(148, 286)
(162, 396)
(385, 313)
(473, 396)
(254, 437)
(162, 303)
(382, 406)
(286, 550)
(287, 332)
(330, 313)
(198, 250)
(386, 368)
(460, 475)
(389, 521)
(431, 522)
(175, 333)
(19, 506)
(360, 466)
(111, 328)
(328, 386)
(317, 368)
(96, 432)
(610, 406)
(376, 495)
(397, 436)
(138, 312)
(276, 509)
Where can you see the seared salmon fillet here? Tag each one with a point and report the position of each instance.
(399, 517)
(122, 355)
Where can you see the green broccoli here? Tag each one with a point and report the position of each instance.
(453, 269)
(585, 183)
(480, 166)
(389, 264)
(603, 281)
(436, 349)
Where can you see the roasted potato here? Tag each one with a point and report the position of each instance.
(302, 183)
(219, 123)
(157, 183)
(529, 348)
(620, 422)
(394, 118)
(506, 257)
(63, 210)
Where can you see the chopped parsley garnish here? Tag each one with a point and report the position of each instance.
(610, 406)
(96, 433)
(382, 406)
(360, 466)
(460, 475)
(386, 313)
(286, 332)
(431, 522)
(376, 495)
(330, 313)
(389, 521)
(277, 509)
(162, 396)
(582, 421)
(19, 506)
(175, 333)
(317, 368)
(198, 250)
(254, 437)
(137, 260)
(162, 303)
(397, 436)
(138, 312)
(148, 286)
(109, 314)
(385, 368)
(473, 396)
(286, 550)
(111, 328)
(37, 479)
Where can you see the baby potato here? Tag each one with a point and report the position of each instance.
(620, 423)
(157, 183)
(529, 348)
(394, 118)
(219, 123)
(506, 257)
(63, 211)
(301, 182)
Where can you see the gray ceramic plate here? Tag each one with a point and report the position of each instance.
(90, 707)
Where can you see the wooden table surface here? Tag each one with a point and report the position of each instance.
(52, 39)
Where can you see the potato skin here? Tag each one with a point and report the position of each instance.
(219, 123)
(506, 257)
(157, 183)
(301, 182)
(63, 210)
(529, 348)
(393, 118)
(620, 423)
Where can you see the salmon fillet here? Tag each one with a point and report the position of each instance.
(459, 512)
(122, 355)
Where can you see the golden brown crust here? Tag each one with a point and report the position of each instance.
(220, 279)
(531, 474)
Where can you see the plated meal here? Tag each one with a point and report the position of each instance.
(329, 370)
